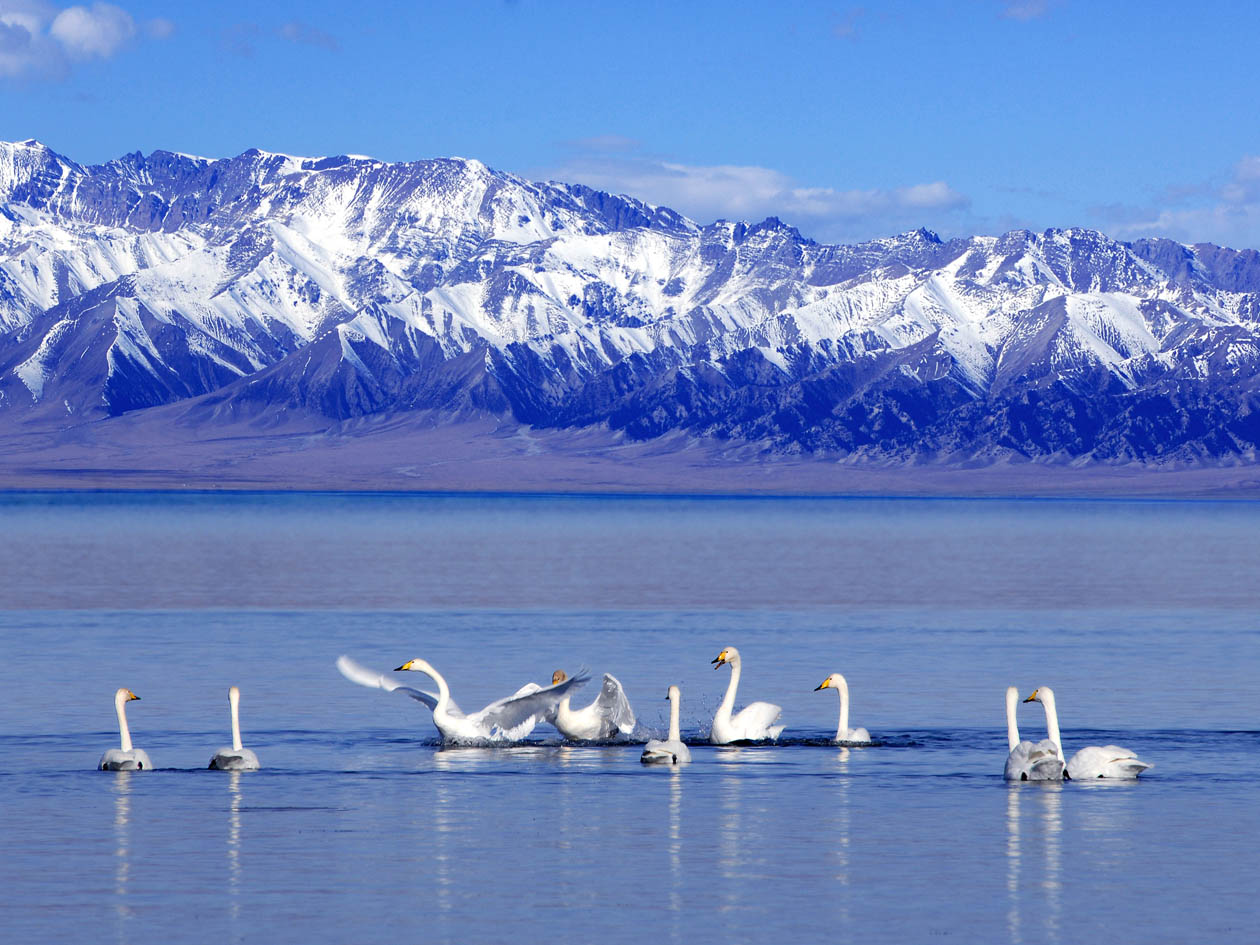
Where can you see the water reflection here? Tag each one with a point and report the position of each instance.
(675, 850)
(234, 847)
(122, 850)
(730, 831)
(1039, 852)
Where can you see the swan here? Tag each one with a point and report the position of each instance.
(1095, 761)
(844, 734)
(1029, 762)
(505, 720)
(672, 751)
(609, 714)
(125, 758)
(235, 758)
(754, 722)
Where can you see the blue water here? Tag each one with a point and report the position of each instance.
(1143, 616)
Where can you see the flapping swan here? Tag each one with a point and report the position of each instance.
(1105, 761)
(1029, 762)
(844, 734)
(125, 758)
(236, 758)
(754, 722)
(505, 720)
(609, 714)
(672, 751)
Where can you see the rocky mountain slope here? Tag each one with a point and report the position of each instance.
(265, 285)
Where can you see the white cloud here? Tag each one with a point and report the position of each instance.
(1228, 213)
(92, 32)
(748, 192)
(40, 39)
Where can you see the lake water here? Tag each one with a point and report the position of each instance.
(1143, 616)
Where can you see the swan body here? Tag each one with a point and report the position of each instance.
(1095, 761)
(236, 758)
(504, 720)
(671, 751)
(755, 722)
(1042, 761)
(844, 734)
(609, 714)
(125, 758)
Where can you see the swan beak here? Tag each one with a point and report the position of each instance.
(131, 695)
(825, 684)
(406, 665)
(1033, 697)
(721, 658)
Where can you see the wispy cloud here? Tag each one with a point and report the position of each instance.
(306, 35)
(846, 27)
(41, 40)
(748, 192)
(1226, 212)
(1025, 9)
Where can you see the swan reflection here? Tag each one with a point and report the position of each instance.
(1035, 848)
(234, 845)
(122, 846)
(675, 849)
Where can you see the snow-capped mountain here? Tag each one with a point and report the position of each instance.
(344, 286)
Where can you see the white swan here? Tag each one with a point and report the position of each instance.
(753, 723)
(1029, 762)
(672, 751)
(505, 720)
(236, 758)
(844, 734)
(125, 758)
(1095, 761)
(609, 714)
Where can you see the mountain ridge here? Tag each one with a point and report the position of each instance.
(344, 287)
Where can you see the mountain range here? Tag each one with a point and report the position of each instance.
(264, 287)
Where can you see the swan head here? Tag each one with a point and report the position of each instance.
(125, 695)
(415, 666)
(831, 682)
(728, 655)
(558, 677)
(674, 694)
(1041, 694)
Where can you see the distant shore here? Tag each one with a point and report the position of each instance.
(484, 455)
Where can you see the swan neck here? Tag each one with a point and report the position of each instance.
(1052, 720)
(1012, 727)
(728, 700)
(120, 702)
(842, 687)
(674, 731)
(444, 691)
(234, 700)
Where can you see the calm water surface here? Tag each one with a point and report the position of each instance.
(1143, 616)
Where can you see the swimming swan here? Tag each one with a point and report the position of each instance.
(1105, 761)
(505, 720)
(1029, 762)
(236, 758)
(844, 734)
(672, 751)
(609, 714)
(125, 758)
(754, 722)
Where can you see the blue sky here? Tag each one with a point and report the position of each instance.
(849, 121)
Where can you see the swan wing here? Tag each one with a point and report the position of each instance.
(614, 706)
(507, 714)
(1105, 761)
(756, 720)
(358, 673)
